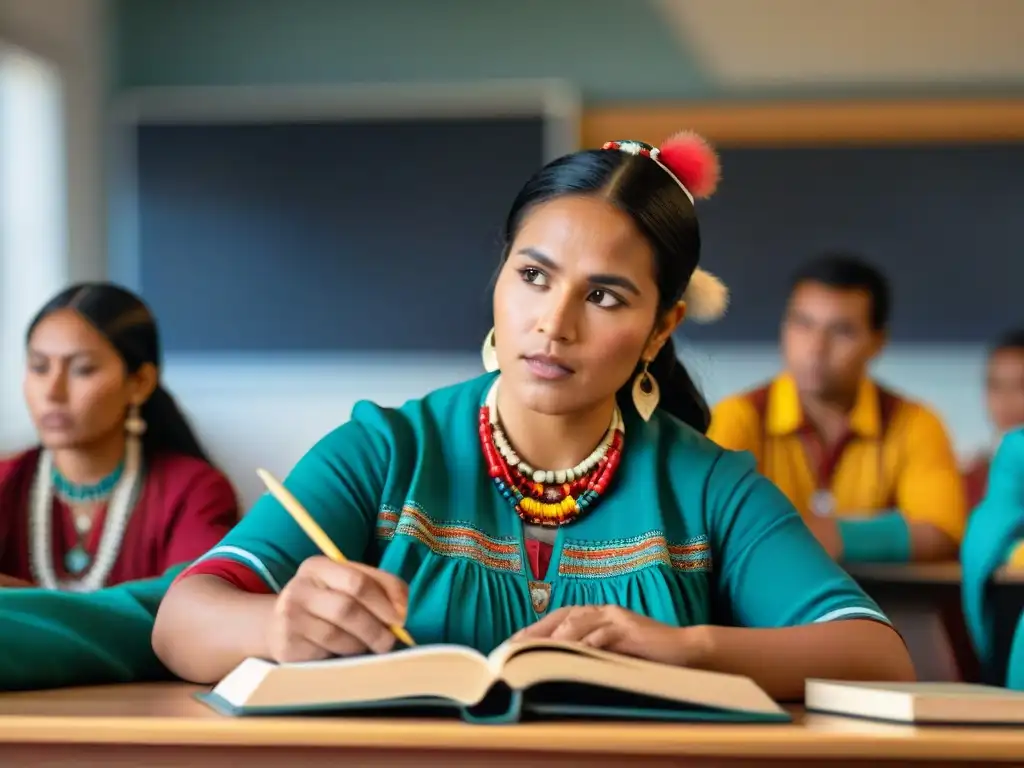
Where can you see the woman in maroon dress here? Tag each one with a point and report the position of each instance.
(119, 488)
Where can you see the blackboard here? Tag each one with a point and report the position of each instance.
(383, 236)
(945, 223)
(349, 236)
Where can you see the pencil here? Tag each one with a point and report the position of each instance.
(316, 533)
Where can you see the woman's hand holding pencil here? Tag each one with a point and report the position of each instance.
(332, 606)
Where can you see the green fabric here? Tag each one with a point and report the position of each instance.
(687, 534)
(881, 539)
(994, 527)
(52, 639)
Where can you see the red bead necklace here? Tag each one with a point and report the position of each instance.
(547, 497)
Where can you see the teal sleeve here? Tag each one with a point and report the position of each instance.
(771, 571)
(993, 528)
(339, 482)
(52, 639)
(881, 539)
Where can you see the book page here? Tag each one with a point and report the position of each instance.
(965, 690)
(444, 671)
(509, 649)
(527, 664)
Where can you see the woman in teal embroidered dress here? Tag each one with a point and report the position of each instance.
(647, 540)
(994, 539)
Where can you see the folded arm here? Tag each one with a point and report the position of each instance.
(928, 521)
(795, 613)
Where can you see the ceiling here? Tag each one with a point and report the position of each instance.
(756, 43)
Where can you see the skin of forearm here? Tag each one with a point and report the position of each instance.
(205, 627)
(781, 660)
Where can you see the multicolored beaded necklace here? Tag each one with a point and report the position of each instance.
(548, 497)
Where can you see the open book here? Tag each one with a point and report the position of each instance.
(536, 679)
(956, 703)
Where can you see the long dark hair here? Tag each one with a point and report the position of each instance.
(665, 216)
(126, 322)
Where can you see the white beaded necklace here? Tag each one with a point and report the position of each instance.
(547, 475)
(119, 510)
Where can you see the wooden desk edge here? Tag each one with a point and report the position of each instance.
(612, 738)
(925, 573)
(191, 725)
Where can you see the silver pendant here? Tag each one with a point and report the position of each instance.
(823, 503)
(540, 595)
(76, 561)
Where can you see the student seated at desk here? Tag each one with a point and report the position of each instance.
(119, 489)
(568, 493)
(1004, 395)
(995, 539)
(872, 472)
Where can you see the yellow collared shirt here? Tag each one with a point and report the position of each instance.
(899, 455)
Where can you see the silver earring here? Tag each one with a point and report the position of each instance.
(489, 353)
(645, 393)
(135, 425)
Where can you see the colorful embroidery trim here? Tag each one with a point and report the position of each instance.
(451, 539)
(601, 559)
(387, 521)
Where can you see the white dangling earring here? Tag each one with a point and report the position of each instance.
(489, 353)
(645, 393)
(135, 425)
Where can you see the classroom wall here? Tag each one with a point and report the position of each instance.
(267, 411)
(71, 36)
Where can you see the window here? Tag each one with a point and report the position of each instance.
(33, 218)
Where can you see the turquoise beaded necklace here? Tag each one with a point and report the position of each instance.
(88, 493)
(77, 559)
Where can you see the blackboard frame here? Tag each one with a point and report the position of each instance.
(556, 102)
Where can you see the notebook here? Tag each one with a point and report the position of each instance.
(517, 681)
(918, 703)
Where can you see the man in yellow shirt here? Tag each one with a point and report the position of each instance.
(872, 472)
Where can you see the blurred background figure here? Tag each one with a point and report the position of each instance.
(872, 471)
(118, 488)
(1004, 398)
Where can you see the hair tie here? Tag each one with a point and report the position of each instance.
(685, 156)
(694, 166)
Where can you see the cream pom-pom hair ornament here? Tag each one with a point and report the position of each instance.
(694, 166)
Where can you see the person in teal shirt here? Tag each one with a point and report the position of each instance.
(994, 539)
(54, 638)
(647, 539)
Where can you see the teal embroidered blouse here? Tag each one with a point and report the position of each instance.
(687, 534)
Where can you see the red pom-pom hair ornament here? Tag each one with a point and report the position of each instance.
(691, 160)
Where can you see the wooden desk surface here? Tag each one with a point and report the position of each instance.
(119, 722)
(923, 573)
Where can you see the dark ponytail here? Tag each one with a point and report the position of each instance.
(126, 322)
(167, 429)
(665, 216)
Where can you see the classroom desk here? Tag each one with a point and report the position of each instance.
(923, 574)
(161, 725)
(924, 601)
